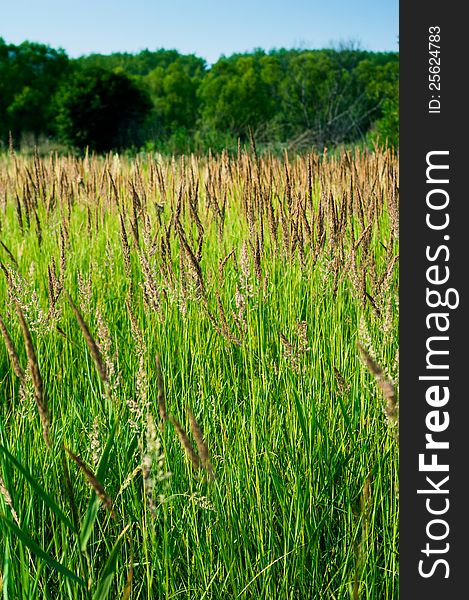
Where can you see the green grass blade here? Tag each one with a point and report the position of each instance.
(93, 505)
(302, 420)
(39, 552)
(6, 571)
(90, 517)
(38, 489)
(109, 569)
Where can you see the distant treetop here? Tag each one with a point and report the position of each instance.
(166, 101)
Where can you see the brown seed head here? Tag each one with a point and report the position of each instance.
(93, 482)
(161, 395)
(202, 447)
(33, 364)
(391, 407)
(15, 361)
(185, 443)
(93, 347)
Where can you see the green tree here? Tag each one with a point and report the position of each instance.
(173, 91)
(237, 96)
(29, 75)
(323, 100)
(24, 112)
(102, 110)
(382, 86)
(172, 102)
(144, 62)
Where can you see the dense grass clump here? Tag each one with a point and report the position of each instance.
(198, 380)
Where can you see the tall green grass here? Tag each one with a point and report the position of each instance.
(304, 502)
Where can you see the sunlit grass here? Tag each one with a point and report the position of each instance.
(261, 347)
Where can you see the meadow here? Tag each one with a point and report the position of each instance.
(198, 376)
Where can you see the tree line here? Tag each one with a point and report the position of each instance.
(170, 102)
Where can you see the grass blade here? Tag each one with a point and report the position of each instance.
(109, 569)
(39, 552)
(38, 489)
(93, 505)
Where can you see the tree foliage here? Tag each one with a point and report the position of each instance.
(173, 90)
(29, 75)
(382, 86)
(236, 95)
(101, 110)
(172, 102)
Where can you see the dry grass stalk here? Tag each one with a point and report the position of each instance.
(161, 394)
(19, 214)
(241, 305)
(12, 353)
(104, 345)
(194, 265)
(10, 255)
(272, 222)
(343, 386)
(63, 258)
(186, 444)
(127, 592)
(135, 328)
(95, 442)
(374, 305)
(256, 255)
(93, 347)
(290, 353)
(128, 480)
(38, 228)
(51, 283)
(202, 447)
(6, 272)
(222, 264)
(94, 483)
(139, 406)
(147, 461)
(385, 281)
(85, 292)
(54, 289)
(149, 285)
(136, 210)
(125, 249)
(8, 501)
(33, 364)
(302, 338)
(167, 267)
(224, 329)
(391, 407)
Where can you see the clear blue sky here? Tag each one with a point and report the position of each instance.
(207, 28)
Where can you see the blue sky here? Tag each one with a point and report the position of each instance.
(207, 28)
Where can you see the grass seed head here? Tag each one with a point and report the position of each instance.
(8, 501)
(161, 395)
(94, 483)
(202, 447)
(391, 407)
(186, 444)
(12, 353)
(93, 347)
(33, 364)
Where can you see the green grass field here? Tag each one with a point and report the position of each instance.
(147, 303)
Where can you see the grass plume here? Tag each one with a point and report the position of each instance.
(33, 365)
(202, 447)
(12, 353)
(391, 406)
(93, 482)
(92, 345)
